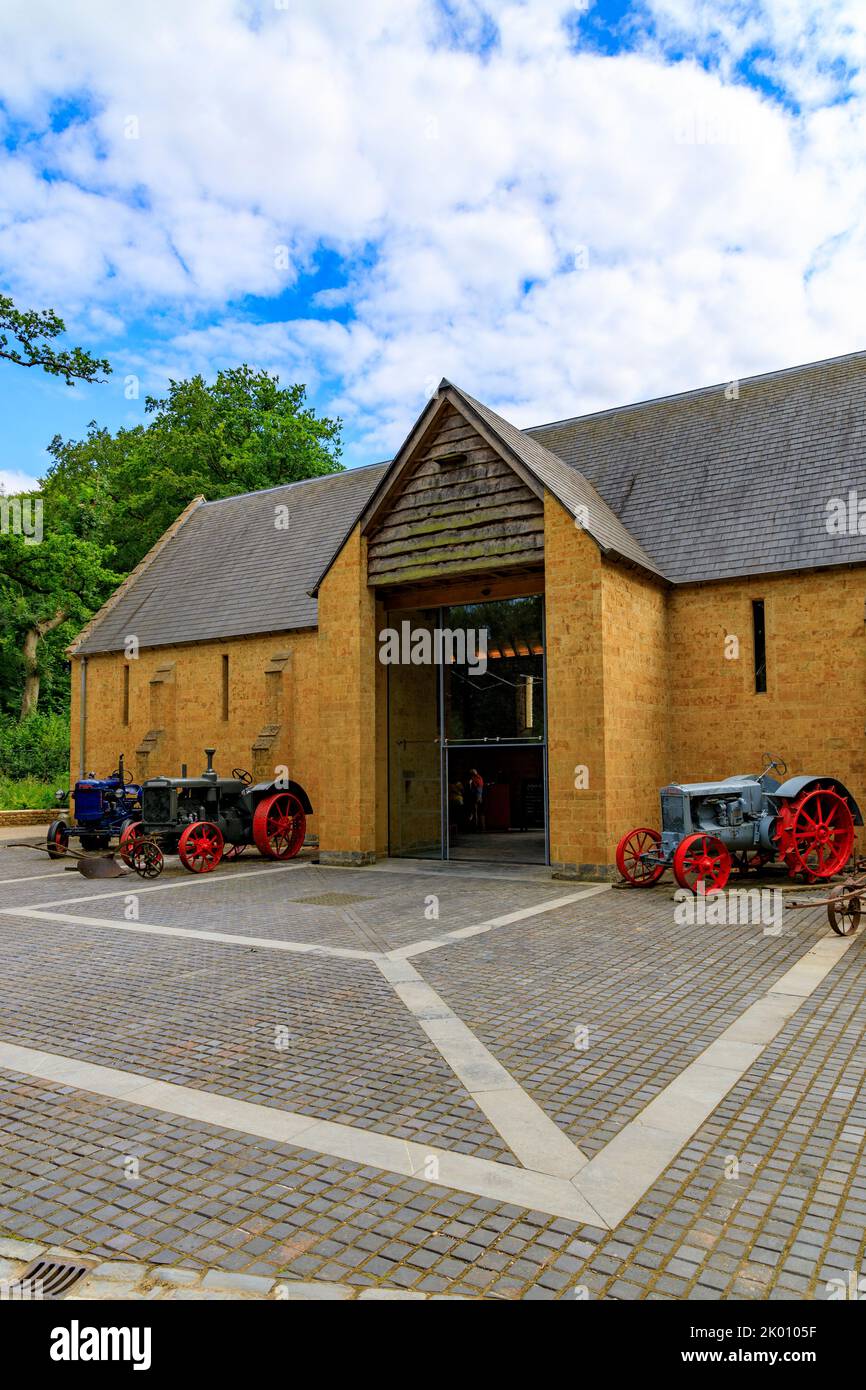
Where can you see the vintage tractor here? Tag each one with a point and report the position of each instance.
(208, 818)
(101, 806)
(744, 822)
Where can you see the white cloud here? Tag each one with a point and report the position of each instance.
(554, 229)
(13, 480)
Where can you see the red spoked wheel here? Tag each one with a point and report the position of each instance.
(702, 864)
(200, 847)
(279, 826)
(233, 851)
(633, 857)
(131, 832)
(815, 834)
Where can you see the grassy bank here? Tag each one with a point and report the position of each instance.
(28, 793)
(34, 761)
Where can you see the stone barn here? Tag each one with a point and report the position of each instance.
(665, 591)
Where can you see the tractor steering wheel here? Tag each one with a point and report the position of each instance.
(775, 765)
(241, 775)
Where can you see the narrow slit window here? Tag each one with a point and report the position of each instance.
(225, 687)
(126, 693)
(760, 646)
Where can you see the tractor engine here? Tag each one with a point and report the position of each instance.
(735, 810)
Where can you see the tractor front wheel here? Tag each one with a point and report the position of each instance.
(58, 839)
(200, 847)
(279, 826)
(702, 864)
(637, 870)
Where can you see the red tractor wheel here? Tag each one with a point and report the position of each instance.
(128, 835)
(279, 826)
(702, 863)
(233, 851)
(58, 839)
(200, 847)
(815, 834)
(639, 871)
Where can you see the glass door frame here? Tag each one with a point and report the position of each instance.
(445, 745)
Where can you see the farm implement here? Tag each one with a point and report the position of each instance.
(844, 905)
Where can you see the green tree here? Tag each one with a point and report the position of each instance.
(108, 498)
(242, 432)
(26, 338)
(47, 586)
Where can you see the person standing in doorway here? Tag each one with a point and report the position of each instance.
(476, 799)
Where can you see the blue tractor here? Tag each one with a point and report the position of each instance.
(100, 807)
(708, 829)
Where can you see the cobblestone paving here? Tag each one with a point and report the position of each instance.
(206, 1015)
(379, 913)
(653, 994)
(767, 1199)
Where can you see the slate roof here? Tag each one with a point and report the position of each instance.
(692, 487)
(223, 573)
(571, 487)
(717, 488)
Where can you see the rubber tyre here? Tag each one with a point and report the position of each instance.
(57, 839)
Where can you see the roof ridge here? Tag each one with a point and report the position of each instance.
(694, 391)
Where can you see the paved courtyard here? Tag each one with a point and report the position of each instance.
(453, 1080)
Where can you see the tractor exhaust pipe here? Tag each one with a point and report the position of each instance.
(209, 771)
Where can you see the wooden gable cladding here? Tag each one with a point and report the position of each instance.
(458, 506)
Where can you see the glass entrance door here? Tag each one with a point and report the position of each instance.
(467, 733)
(494, 734)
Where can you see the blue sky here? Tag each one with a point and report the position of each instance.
(561, 207)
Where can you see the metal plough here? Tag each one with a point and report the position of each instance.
(88, 865)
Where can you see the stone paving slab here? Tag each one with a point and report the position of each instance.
(768, 1199)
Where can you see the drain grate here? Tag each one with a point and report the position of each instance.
(333, 900)
(48, 1279)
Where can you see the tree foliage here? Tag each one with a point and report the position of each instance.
(108, 498)
(242, 432)
(27, 337)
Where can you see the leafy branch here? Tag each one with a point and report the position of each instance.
(26, 337)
